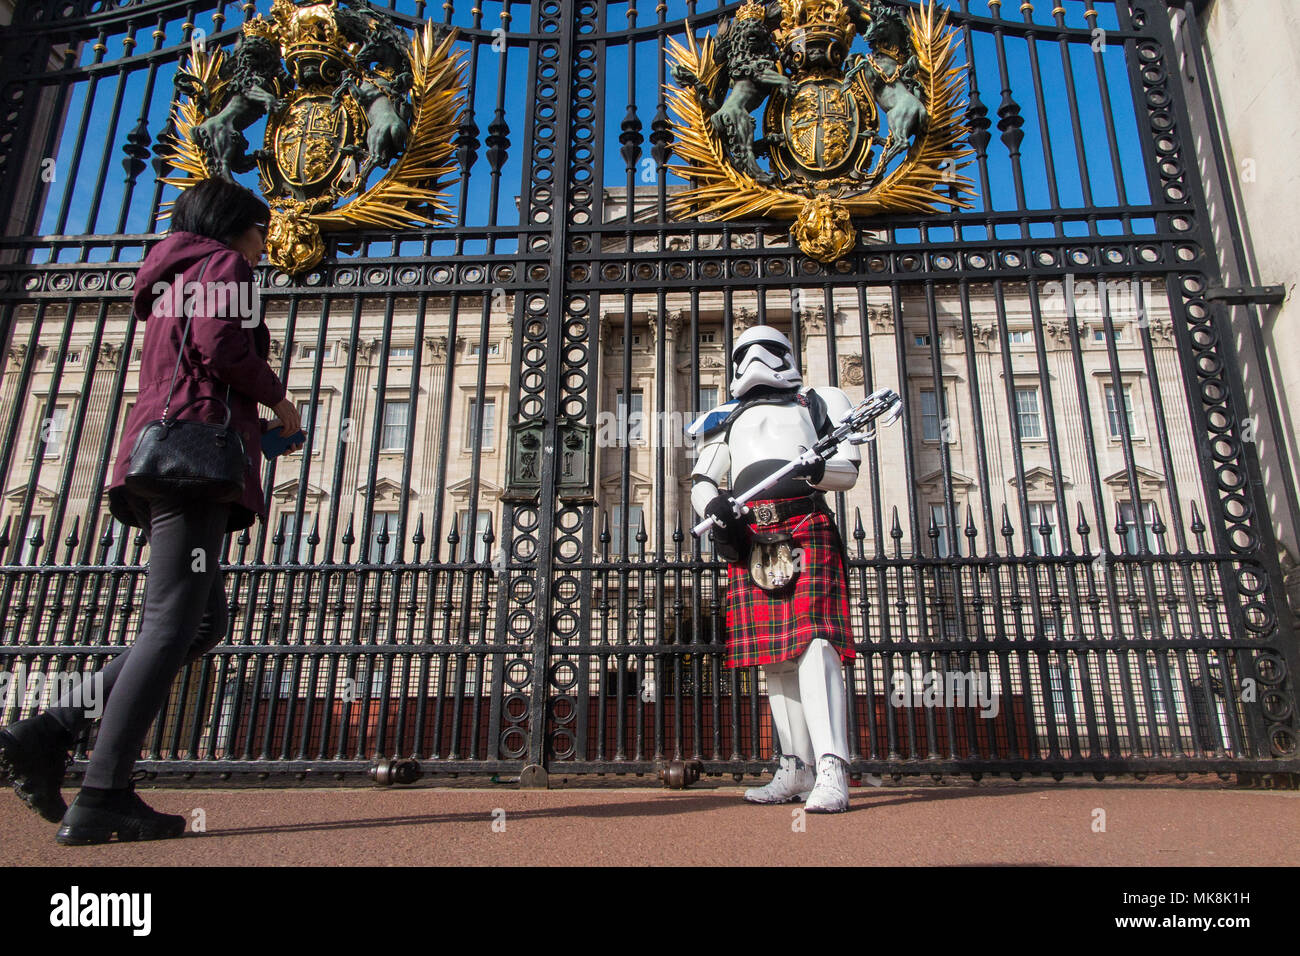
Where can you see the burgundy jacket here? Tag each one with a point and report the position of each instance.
(220, 351)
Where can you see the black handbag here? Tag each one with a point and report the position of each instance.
(188, 459)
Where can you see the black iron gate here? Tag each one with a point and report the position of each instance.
(1061, 559)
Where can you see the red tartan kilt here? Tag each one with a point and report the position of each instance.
(764, 627)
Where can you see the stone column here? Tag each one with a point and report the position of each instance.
(669, 418)
(438, 354)
(97, 421)
(815, 361)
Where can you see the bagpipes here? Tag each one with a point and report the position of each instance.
(857, 428)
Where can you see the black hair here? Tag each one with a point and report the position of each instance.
(218, 209)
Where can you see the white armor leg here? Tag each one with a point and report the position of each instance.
(788, 717)
(821, 695)
(820, 692)
(794, 778)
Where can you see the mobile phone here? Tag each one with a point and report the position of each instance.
(275, 443)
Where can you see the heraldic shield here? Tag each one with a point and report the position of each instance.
(307, 146)
(820, 128)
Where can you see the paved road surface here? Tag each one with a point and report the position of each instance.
(1033, 822)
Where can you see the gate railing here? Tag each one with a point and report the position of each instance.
(1060, 558)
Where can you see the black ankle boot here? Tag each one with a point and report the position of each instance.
(33, 759)
(96, 815)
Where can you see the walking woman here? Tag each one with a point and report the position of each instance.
(218, 233)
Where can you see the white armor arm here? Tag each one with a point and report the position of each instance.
(842, 467)
(712, 468)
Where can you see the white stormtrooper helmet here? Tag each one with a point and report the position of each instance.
(762, 356)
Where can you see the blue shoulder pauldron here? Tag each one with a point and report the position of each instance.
(713, 420)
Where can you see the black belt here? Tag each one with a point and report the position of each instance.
(766, 512)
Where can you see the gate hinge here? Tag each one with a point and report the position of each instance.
(1247, 294)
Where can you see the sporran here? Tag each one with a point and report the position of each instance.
(773, 560)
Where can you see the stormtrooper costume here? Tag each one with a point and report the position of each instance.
(799, 632)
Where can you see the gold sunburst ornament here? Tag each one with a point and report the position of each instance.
(823, 121)
(347, 95)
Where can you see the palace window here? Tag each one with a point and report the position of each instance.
(116, 532)
(942, 544)
(480, 547)
(1157, 692)
(1162, 707)
(470, 681)
(1027, 415)
(706, 398)
(312, 415)
(485, 430)
(286, 675)
(295, 538)
(373, 676)
(631, 420)
(634, 515)
(383, 521)
(52, 431)
(1043, 513)
(397, 417)
(932, 416)
(1020, 337)
(1112, 412)
(1130, 521)
(1060, 684)
(27, 553)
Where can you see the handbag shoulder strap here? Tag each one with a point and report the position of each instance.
(181, 348)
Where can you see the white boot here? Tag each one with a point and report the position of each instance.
(831, 794)
(792, 781)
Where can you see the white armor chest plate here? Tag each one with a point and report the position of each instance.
(767, 432)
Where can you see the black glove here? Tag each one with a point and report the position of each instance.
(812, 473)
(731, 540)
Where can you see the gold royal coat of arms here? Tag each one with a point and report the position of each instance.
(827, 108)
(346, 95)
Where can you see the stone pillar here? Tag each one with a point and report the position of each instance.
(815, 361)
(97, 421)
(668, 419)
(435, 444)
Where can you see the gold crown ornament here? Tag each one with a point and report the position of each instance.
(830, 15)
(814, 33)
(257, 27)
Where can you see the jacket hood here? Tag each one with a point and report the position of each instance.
(169, 258)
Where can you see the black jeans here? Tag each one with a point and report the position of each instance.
(184, 617)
